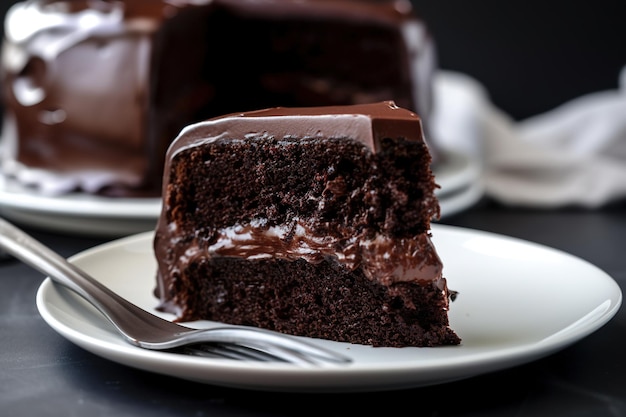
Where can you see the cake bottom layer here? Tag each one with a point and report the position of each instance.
(323, 300)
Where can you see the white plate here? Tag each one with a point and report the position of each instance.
(517, 302)
(78, 213)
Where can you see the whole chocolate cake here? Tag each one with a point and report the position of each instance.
(95, 90)
(307, 221)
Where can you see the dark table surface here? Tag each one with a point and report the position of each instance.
(43, 374)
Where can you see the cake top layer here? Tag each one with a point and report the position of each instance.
(367, 123)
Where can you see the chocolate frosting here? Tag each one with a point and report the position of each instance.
(367, 123)
(383, 259)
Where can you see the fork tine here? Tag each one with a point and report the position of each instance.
(196, 351)
(230, 351)
(245, 353)
(290, 348)
(278, 353)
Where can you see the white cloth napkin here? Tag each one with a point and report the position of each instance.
(574, 155)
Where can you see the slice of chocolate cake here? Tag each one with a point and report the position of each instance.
(307, 221)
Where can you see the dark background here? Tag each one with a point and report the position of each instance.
(531, 55)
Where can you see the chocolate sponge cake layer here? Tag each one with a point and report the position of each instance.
(307, 221)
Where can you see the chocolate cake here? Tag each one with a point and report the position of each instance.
(95, 90)
(307, 221)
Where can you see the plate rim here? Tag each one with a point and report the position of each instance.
(77, 204)
(288, 378)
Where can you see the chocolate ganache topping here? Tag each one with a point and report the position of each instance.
(367, 123)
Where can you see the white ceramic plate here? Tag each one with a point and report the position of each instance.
(78, 213)
(517, 302)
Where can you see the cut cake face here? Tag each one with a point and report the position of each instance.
(308, 221)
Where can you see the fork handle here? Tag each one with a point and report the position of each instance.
(24, 247)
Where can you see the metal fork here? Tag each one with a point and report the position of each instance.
(146, 330)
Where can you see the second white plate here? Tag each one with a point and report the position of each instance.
(517, 302)
(78, 213)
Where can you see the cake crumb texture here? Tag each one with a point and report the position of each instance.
(339, 192)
